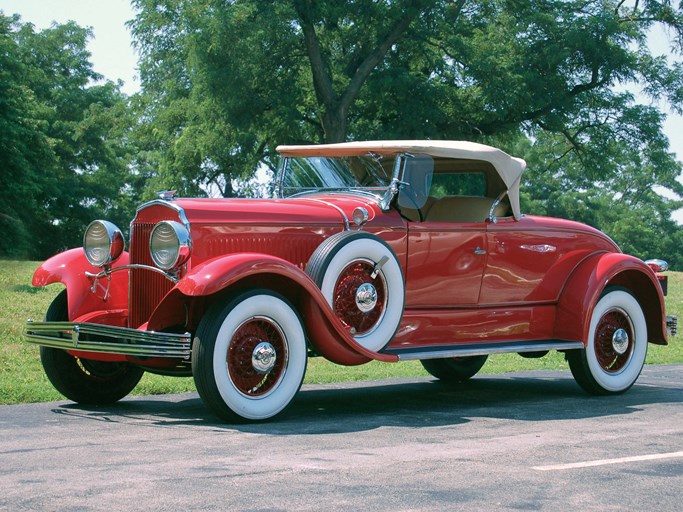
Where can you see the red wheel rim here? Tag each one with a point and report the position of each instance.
(244, 375)
(611, 360)
(351, 278)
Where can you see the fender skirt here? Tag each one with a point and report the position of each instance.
(327, 335)
(69, 268)
(584, 287)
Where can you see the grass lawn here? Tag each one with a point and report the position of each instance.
(22, 379)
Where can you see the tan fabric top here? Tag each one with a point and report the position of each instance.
(509, 168)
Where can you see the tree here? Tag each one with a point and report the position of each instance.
(62, 133)
(242, 76)
(261, 72)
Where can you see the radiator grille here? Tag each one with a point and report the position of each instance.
(294, 248)
(146, 288)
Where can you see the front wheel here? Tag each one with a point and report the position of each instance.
(249, 356)
(83, 380)
(617, 345)
(454, 369)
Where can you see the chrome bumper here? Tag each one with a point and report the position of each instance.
(108, 339)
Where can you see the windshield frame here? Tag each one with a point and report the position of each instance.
(382, 195)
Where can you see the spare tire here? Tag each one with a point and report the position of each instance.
(370, 307)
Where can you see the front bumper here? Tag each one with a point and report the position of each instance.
(108, 339)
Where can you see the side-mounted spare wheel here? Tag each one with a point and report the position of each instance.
(361, 279)
(249, 356)
(83, 380)
(616, 348)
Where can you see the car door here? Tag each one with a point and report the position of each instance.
(446, 262)
(447, 231)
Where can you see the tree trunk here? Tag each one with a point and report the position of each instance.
(335, 124)
(336, 106)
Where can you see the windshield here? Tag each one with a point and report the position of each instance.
(372, 174)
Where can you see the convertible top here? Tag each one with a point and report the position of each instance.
(509, 168)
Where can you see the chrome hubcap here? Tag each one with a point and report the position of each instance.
(620, 341)
(263, 357)
(366, 297)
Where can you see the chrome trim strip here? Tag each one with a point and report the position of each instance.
(108, 272)
(497, 201)
(179, 210)
(471, 349)
(347, 224)
(109, 339)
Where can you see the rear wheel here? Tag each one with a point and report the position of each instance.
(249, 356)
(454, 369)
(83, 380)
(617, 345)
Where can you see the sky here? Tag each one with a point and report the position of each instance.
(114, 57)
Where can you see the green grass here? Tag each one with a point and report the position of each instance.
(22, 379)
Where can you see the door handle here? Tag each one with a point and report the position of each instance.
(478, 251)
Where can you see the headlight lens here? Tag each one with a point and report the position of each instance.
(169, 244)
(657, 265)
(103, 243)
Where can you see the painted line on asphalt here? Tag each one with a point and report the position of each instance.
(605, 462)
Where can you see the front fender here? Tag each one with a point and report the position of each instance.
(585, 285)
(326, 333)
(69, 268)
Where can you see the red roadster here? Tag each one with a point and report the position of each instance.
(383, 251)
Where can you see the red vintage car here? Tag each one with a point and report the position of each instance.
(384, 251)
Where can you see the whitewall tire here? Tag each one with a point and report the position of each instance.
(370, 307)
(249, 357)
(616, 347)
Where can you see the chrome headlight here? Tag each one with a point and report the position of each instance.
(169, 244)
(657, 265)
(360, 216)
(103, 243)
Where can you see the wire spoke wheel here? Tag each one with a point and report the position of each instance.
(257, 357)
(360, 277)
(616, 346)
(84, 380)
(360, 299)
(614, 341)
(249, 356)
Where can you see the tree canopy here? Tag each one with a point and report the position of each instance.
(62, 140)
(225, 81)
(321, 71)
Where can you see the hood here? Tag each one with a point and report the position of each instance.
(322, 209)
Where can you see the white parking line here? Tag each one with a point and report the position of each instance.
(604, 462)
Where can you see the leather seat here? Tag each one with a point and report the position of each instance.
(464, 209)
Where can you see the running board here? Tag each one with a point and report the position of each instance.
(480, 349)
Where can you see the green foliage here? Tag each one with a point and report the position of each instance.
(62, 140)
(620, 198)
(462, 184)
(225, 82)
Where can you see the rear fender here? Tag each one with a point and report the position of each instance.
(69, 268)
(584, 287)
(232, 273)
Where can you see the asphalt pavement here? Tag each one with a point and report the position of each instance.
(519, 441)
